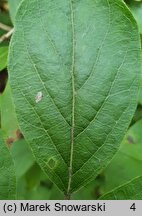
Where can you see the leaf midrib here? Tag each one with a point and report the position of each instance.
(73, 97)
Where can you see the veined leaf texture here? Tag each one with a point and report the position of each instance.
(81, 58)
(7, 171)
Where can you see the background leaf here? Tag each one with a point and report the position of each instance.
(3, 57)
(127, 163)
(73, 100)
(9, 122)
(13, 5)
(129, 191)
(136, 8)
(7, 173)
(22, 157)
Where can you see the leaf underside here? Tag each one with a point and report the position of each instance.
(129, 191)
(7, 174)
(74, 70)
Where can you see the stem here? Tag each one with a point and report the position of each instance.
(6, 36)
(5, 27)
(67, 196)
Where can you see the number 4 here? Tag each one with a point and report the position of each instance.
(133, 207)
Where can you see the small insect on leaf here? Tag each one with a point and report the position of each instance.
(38, 97)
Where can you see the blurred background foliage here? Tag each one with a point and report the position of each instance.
(32, 183)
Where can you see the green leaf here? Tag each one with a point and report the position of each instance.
(3, 57)
(9, 122)
(13, 5)
(74, 75)
(127, 163)
(22, 157)
(140, 92)
(136, 8)
(130, 191)
(7, 174)
(40, 192)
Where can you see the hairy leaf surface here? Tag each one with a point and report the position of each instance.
(74, 70)
(130, 191)
(7, 173)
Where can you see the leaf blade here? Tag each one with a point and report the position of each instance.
(81, 89)
(7, 171)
